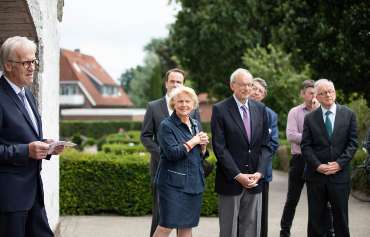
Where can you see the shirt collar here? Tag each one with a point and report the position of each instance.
(332, 109)
(16, 88)
(240, 104)
(167, 98)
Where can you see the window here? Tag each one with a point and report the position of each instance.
(69, 90)
(109, 90)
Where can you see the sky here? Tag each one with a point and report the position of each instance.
(114, 31)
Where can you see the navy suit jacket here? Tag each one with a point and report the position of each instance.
(156, 112)
(318, 148)
(274, 139)
(20, 178)
(178, 168)
(230, 143)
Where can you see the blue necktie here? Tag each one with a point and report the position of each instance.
(22, 96)
(328, 125)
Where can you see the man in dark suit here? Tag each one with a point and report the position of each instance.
(240, 139)
(156, 111)
(259, 93)
(22, 210)
(329, 142)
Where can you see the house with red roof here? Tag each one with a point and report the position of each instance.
(88, 92)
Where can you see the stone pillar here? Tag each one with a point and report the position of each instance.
(45, 17)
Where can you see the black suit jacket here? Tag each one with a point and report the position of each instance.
(233, 151)
(318, 148)
(155, 113)
(20, 178)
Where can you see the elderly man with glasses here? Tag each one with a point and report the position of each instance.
(22, 147)
(329, 142)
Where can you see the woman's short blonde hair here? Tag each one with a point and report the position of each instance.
(180, 90)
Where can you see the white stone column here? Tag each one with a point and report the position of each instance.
(44, 14)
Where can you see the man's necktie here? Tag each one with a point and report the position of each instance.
(28, 108)
(246, 121)
(328, 125)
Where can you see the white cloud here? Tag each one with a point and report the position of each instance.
(113, 31)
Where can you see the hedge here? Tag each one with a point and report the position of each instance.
(107, 183)
(124, 138)
(98, 129)
(123, 149)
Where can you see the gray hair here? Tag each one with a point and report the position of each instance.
(239, 71)
(323, 81)
(261, 82)
(186, 90)
(9, 46)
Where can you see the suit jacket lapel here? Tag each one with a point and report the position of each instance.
(235, 114)
(321, 124)
(164, 107)
(11, 93)
(337, 121)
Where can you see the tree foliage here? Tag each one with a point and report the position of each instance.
(144, 83)
(283, 80)
(332, 36)
(210, 37)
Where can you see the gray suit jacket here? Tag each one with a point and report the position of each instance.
(156, 111)
(318, 148)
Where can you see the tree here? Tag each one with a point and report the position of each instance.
(210, 37)
(332, 36)
(283, 80)
(126, 78)
(161, 47)
(145, 82)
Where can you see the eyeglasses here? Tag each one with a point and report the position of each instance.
(329, 92)
(244, 84)
(27, 64)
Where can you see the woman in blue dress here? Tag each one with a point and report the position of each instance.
(180, 176)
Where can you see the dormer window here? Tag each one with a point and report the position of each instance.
(109, 90)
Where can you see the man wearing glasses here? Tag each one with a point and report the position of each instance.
(240, 139)
(329, 142)
(22, 147)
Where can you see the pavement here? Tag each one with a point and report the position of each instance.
(119, 226)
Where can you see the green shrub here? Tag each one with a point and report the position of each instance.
(359, 176)
(123, 149)
(107, 183)
(96, 129)
(123, 138)
(99, 129)
(362, 111)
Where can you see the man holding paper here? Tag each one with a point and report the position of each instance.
(22, 147)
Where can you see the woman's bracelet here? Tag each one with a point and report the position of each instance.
(187, 145)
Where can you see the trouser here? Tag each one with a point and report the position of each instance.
(295, 185)
(240, 215)
(31, 223)
(155, 211)
(265, 207)
(319, 194)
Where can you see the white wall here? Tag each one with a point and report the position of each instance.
(44, 14)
